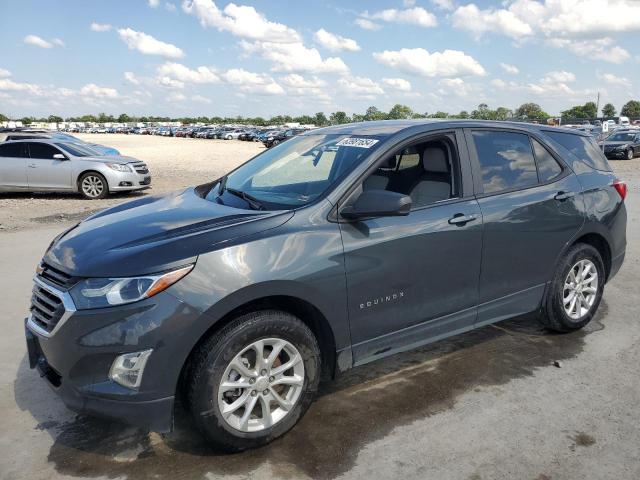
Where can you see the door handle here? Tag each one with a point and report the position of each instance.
(32, 165)
(461, 219)
(562, 196)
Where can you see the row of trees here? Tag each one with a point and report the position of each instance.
(526, 111)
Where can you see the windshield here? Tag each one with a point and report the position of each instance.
(621, 137)
(296, 172)
(76, 150)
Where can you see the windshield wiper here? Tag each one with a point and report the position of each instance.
(223, 184)
(253, 202)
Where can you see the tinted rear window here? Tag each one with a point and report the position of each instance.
(584, 148)
(506, 160)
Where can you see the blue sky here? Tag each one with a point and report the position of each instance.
(200, 57)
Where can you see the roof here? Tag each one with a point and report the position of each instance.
(391, 127)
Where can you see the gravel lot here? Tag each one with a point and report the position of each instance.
(489, 404)
(174, 163)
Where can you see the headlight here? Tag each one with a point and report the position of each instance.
(119, 167)
(107, 292)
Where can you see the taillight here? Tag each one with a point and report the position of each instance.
(621, 188)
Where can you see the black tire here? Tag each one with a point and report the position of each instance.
(554, 316)
(275, 142)
(103, 193)
(630, 154)
(214, 355)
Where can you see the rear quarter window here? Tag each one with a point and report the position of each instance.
(584, 148)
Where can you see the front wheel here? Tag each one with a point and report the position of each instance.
(93, 186)
(630, 154)
(252, 381)
(576, 290)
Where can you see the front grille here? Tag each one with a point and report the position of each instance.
(141, 168)
(56, 276)
(46, 308)
(146, 181)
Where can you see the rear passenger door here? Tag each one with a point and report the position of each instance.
(13, 166)
(530, 203)
(414, 278)
(45, 172)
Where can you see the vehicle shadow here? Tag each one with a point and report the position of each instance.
(348, 414)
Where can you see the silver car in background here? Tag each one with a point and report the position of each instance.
(50, 165)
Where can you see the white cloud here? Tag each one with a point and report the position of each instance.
(510, 69)
(444, 4)
(367, 24)
(414, 16)
(252, 82)
(615, 80)
(170, 7)
(295, 57)
(148, 45)
(168, 82)
(37, 41)
(550, 18)
(184, 74)
(131, 78)
(4, 72)
(397, 84)
(408, 3)
(100, 27)
(8, 84)
(454, 86)
(498, 83)
(448, 63)
(58, 42)
(200, 99)
(334, 42)
(479, 22)
(240, 20)
(559, 77)
(603, 49)
(360, 86)
(153, 3)
(93, 90)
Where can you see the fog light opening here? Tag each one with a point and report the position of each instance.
(127, 369)
(126, 184)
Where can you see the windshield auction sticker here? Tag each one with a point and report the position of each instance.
(357, 142)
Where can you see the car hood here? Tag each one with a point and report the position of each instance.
(112, 159)
(101, 149)
(153, 234)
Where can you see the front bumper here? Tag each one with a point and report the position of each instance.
(616, 154)
(75, 359)
(125, 181)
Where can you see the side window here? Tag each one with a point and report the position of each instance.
(584, 148)
(548, 167)
(11, 149)
(425, 171)
(42, 150)
(506, 160)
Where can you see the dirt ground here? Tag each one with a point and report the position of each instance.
(174, 163)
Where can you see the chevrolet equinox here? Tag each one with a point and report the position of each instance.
(338, 247)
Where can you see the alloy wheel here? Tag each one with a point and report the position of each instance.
(92, 186)
(261, 385)
(580, 289)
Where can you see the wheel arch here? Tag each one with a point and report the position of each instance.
(600, 243)
(90, 170)
(308, 313)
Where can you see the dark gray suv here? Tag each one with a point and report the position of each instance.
(338, 247)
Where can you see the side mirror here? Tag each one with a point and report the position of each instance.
(59, 156)
(378, 203)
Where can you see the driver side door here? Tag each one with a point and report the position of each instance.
(45, 172)
(412, 279)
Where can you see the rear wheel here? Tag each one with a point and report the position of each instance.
(252, 381)
(576, 290)
(93, 186)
